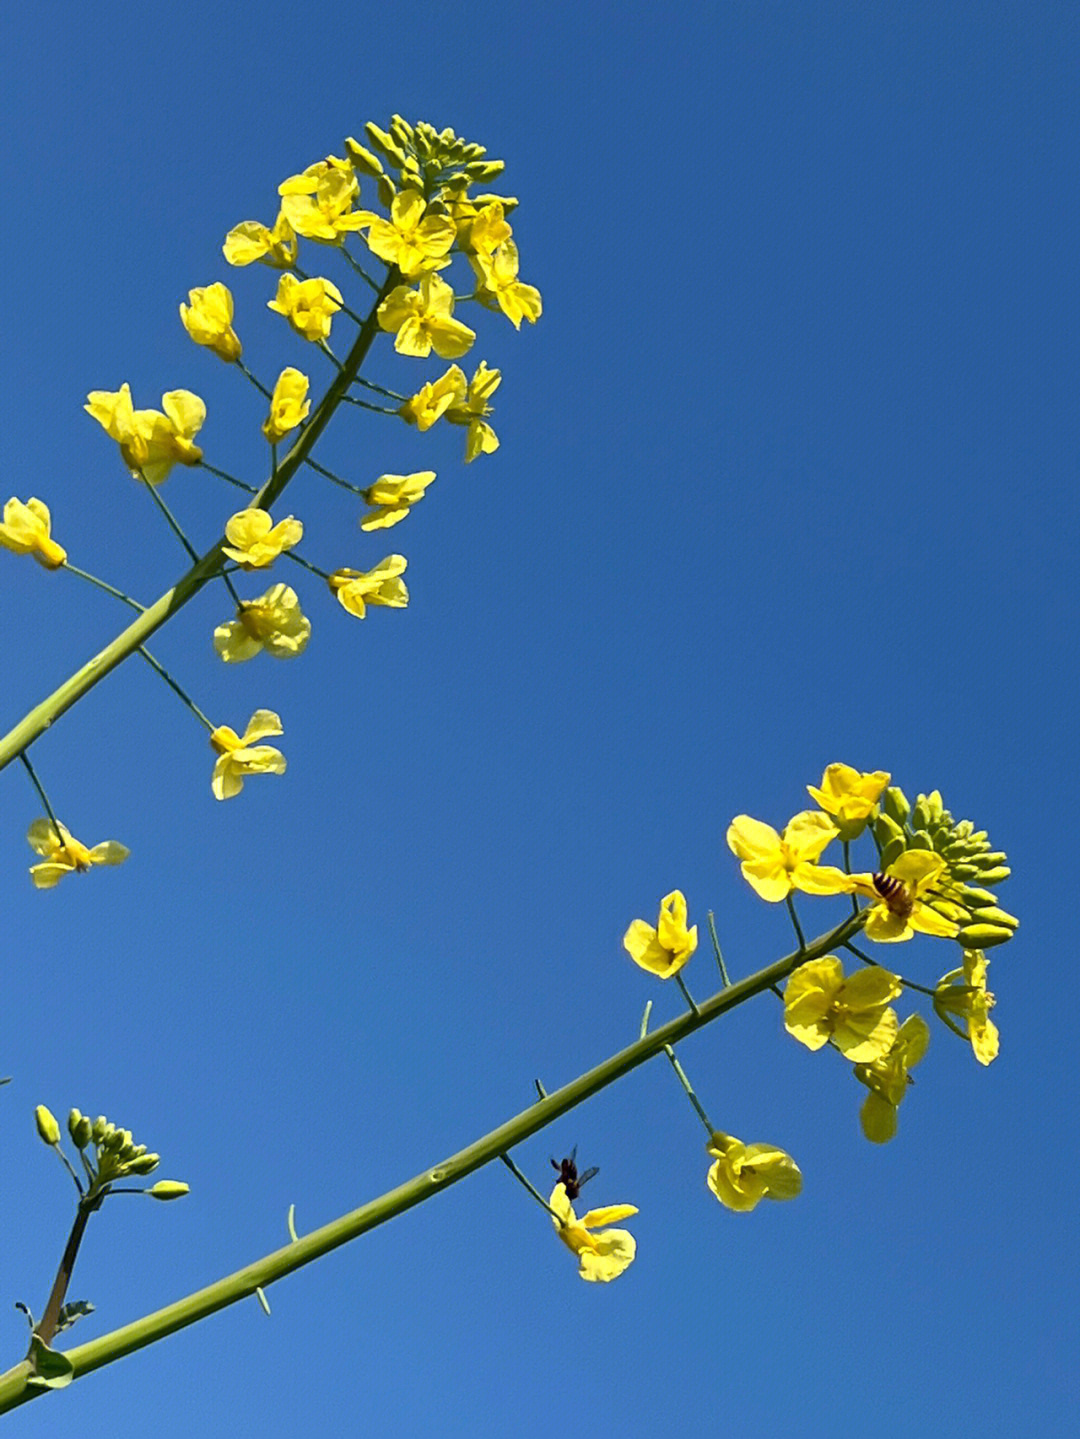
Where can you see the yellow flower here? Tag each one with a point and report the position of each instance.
(318, 203)
(273, 623)
(744, 1174)
(887, 1079)
(850, 797)
(773, 865)
(150, 442)
(356, 589)
(26, 531)
(411, 240)
(254, 544)
(472, 409)
(487, 229)
(963, 992)
(308, 305)
(500, 285)
(602, 1255)
(240, 757)
(208, 321)
(435, 398)
(63, 854)
(821, 1005)
(422, 320)
(899, 910)
(394, 496)
(289, 405)
(249, 241)
(664, 950)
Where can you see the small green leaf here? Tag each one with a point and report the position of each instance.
(77, 1309)
(52, 1370)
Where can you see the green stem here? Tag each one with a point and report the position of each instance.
(224, 475)
(795, 921)
(691, 1096)
(102, 585)
(516, 1172)
(329, 475)
(32, 772)
(174, 524)
(85, 1358)
(686, 993)
(167, 677)
(257, 383)
(50, 709)
(716, 950)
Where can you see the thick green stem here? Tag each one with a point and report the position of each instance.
(139, 631)
(265, 1271)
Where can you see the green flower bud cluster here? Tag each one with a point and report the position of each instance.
(964, 897)
(427, 159)
(116, 1155)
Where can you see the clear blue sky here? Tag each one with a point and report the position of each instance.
(788, 475)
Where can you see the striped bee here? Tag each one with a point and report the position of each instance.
(899, 900)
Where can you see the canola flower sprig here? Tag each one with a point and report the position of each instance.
(15, 1386)
(109, 1156)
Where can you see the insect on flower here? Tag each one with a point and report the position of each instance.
(899, 899)
(568, 1174)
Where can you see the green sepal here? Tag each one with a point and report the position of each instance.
(52, 1370)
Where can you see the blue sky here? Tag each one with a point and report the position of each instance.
(787, 476)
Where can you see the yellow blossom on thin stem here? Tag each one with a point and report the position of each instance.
(250, 241)
(500, 285)
(602, 1254)
(150, 441)
(356, 589)
(887, 1079)
(774, 864)
(472, 409)
(394, 496)
(289, 405)
(240, 757)
(422, 320)
(899, 909)
(963, 993)
(63, 854)
(744, 1174)
(821, 1005)
(308, 305)
(487, 229)
(255, 542)
(273, 624)
(850, 797)
(318, 204)
(662, 950)
(435, 398)
(413, 241)
(208, 320)
(26, 530)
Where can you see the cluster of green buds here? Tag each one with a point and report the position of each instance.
(426, 159)
(108, 1154)
(963, 893)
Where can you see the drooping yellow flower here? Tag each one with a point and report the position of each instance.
(413, 241)
(422, 320)
(963, 993)
(899, 909)
(500, 285)
(773, 865)
(850, 797)
(208, 320)
(601, 1255)
(289, 405)
(308, 305)
(744, 1174)
(434, 399)
(249, 241)
(240, 757)
(318, 204)
(821, 1005)
(467, 209)
(26, 530)
(273, 624)
(63, 854)
(887, 1079)
(255, 542)
(150, 442)
(664, 950)
(356, 589)
(472, 409)
(394, 496)
(487, 230)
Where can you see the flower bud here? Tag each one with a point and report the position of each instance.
(143, 1164)
(47, 1126)
(100, 1129)
(983, 936)
(990, 914)
(80, 1127)
(168, 1189)
(995, 875)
